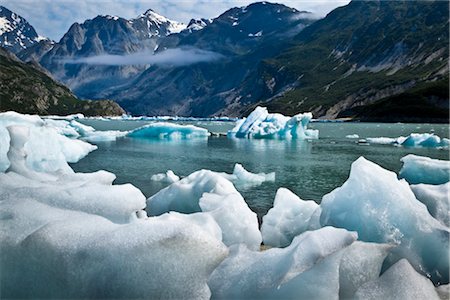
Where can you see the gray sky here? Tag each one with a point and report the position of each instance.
(52, 18)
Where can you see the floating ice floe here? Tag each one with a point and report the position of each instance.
(89, 134)
(413, 140)
(420, 169)
(169, 177)
(164, 130)
(208, 192)
(168, 118)
(352, 136)
(243, 178)
(262, 125)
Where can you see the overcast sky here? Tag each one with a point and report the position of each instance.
(52, 18)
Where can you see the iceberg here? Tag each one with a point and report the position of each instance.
(169, 177)
(164, 130)
(208, 192)
(262, 125)
(383, 209)
(289, 217)
(436, 198)
(413, 140)
(400, 281)
(420, 169)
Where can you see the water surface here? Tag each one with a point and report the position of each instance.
(308, 168)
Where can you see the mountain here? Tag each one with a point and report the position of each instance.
(365, 52)
(102, 35)
(27, 89)
(241, 36)
(366, 60)
(16, 34)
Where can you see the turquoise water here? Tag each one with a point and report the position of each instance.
(308, 168)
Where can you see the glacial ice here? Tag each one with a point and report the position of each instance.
(436, 198)
(400, 281)
(413, 140)
(243, 178)
(289, 217)
(74, 235)
(262, 125)
(208, 192)
(360, 263)
(169, 177)
(164, 130)
(47, 149)
(420, 169)
(280, 273)
(383, 209)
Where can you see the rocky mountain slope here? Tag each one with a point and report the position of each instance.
(360, 57)
(16, 34)
(105, 35)
(359, 54)
(27, 89)
(243, 37)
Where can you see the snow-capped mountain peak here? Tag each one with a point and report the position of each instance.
(16, 34)
(158, 24)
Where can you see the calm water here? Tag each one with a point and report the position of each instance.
(308, 168)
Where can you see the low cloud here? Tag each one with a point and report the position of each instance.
(169, 57)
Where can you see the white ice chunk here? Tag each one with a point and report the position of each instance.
(169, 177)
(400, 281)
(243, 178)
(436, 198)
(352, 136)
(68, 254)
(413, 140)
(443, 291)
(383, 209)
(166, 130)
(46, 148)
(246, 274)
(261, 124)
(421, 169)
(104, 136)
(385, 140)
(289, 217)
(208, 192)
(360, 263)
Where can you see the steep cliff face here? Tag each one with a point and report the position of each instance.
(26, 89)
(357, 55)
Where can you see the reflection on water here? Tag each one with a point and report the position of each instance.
(308, 168)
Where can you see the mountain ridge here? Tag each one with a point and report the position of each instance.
(271, 55)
